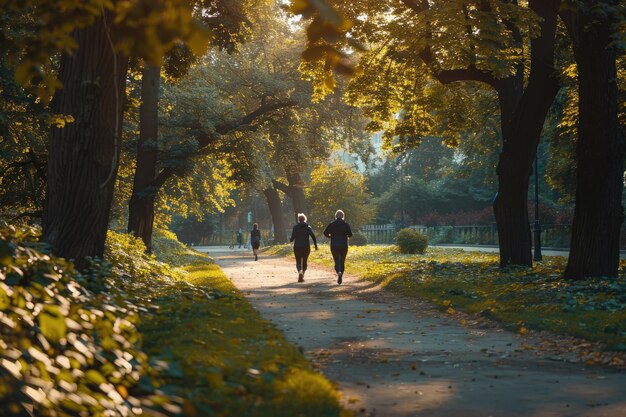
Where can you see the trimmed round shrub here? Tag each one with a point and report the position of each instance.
(411, 241)
(358, 239)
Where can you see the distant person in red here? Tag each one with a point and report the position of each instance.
(301, 244)
(255, 240)
(339, 231)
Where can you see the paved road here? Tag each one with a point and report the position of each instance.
(495, 249)
(469, 248)
(401, 358)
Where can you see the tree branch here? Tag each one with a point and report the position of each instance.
(246, 123)
(281, 187)
(35, 214)
(16, 164)
(470, 73)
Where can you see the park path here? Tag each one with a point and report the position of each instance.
(397, 357)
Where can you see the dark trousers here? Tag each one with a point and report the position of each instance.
(339, 256)
(302, 256)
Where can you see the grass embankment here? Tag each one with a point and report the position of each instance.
(226, 360)
(520, 298)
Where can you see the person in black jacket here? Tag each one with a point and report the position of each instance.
(301, 244)
(240, 237)
(255, 240)
(339, 231)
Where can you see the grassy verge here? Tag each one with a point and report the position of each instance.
(225, 360)
(520, 298)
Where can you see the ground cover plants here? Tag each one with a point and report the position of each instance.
(69, 341)
(522, 299)
(134, 335)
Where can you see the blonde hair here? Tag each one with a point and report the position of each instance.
(301, 217)
(339, 214)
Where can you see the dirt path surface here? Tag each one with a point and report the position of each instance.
(394, 357)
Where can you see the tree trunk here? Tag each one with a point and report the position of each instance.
(276, 210)
(141, 205)
(83, 155)
(523, 116)
(296, 186)
(598, 215)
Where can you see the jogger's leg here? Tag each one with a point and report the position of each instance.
(305, 257)
(336, 252)
(296, 253)
(343, 254)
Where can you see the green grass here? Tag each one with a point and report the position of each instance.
(228, 361)
(520, 298)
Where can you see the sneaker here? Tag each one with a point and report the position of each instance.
(256, 257)
(339, 274)
(300, 277)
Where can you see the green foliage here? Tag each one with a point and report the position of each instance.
(358, 239)
(325, 34)
(127, 255)
(396, 82)
(69, 342)
(411, 241)
(35, 31)
(435, 178)
(24, 124)
(334, 187)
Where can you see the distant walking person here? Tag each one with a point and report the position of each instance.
(301, 244)
(255, 240)
(239, 238)
(339, 231)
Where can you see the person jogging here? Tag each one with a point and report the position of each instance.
(255, 240)
(339, 231)
(240, 238)
(301, 244)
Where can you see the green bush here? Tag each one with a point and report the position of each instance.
(411, 241)
(69, 344)
(358, 239)
(167, 248)
(128, 257)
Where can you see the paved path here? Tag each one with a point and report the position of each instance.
(396, 357)
(496, 249)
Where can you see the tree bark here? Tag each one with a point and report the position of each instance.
(522, 119)
(141, 205)
(295, 191)
(296, 184)
(598, 214)
(83, 156)
(276, 210)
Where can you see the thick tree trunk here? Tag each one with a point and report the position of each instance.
(276, 210)
(295, 191)
(598, 215)
(523, 116)
(83, 156)
(141, 206)
(296, 186)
